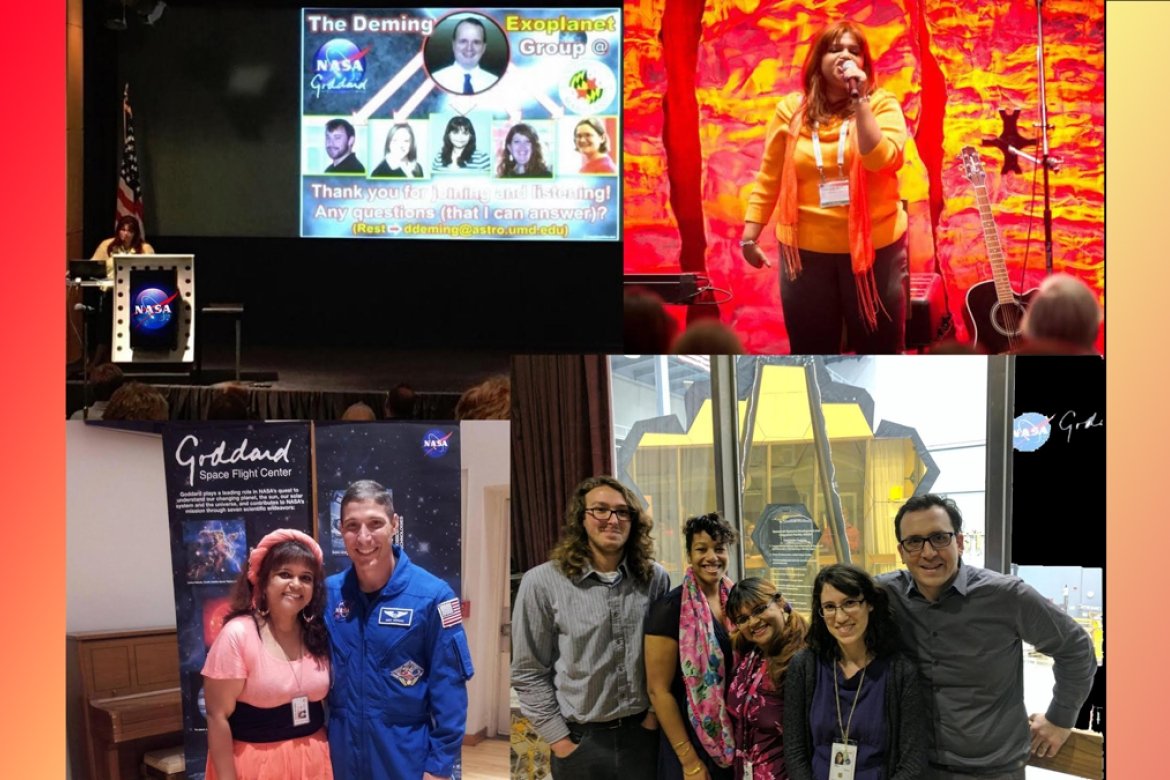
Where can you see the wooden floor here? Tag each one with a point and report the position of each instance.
(489, 760)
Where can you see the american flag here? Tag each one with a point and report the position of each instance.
(450, 613)
(129, 187)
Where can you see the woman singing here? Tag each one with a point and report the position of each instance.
(688, 660)
(268, 670)
(831, 160)
(851, 698)
(769, 635)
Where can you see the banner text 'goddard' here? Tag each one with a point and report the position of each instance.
(187, 454)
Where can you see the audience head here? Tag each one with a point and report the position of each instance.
(105, 378)
(1064, 315)
(229, 402)
(359, 412)
(489, 400)
(708, 337)
(400, 402)
(647, 329)
(136, 401)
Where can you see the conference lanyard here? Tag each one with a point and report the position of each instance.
(816, 143)
(844, 754)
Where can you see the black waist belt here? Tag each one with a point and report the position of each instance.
(629, 720)
(273, 724)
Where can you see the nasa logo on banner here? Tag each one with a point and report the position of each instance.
(434, 443)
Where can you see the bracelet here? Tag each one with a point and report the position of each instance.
(698, 769)
(681, 753)
(747, 242)
(680, 742)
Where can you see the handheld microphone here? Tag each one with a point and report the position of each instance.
(853, 82)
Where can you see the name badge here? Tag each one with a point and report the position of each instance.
(300, 710)
(834, 192)
(844, 761)
(395, 616)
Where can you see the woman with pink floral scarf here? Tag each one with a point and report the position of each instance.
(688, 660)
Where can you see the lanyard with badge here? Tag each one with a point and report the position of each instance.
(834, 192)
(300, 702)
(744, 751)
(844, 753)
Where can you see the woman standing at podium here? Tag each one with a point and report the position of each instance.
(127, 240)
(268, 670)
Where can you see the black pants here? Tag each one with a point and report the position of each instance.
(825, 293)
(622, 753)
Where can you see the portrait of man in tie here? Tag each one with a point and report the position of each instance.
(479, 55)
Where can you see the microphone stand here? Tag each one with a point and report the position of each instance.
(1045, 161)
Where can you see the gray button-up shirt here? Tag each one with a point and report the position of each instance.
(577, 646)
(970, 655)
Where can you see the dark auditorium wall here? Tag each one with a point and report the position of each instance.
(220, 179)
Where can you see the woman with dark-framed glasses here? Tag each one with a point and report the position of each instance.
(851, 692)
(768, 635)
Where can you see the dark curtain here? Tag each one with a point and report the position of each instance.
(562, 433)
(189, 402)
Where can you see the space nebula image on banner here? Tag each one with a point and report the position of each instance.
(472, 123)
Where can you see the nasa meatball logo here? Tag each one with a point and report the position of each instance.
(152, 308)
(435, 444)
(339, 66)
(1030, 431)
(589, 89)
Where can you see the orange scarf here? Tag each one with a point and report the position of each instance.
(860, 241)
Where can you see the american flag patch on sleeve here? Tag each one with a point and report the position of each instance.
(450, 613)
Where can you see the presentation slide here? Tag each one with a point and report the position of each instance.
(441, 123)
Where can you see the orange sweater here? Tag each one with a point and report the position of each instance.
(827, 229)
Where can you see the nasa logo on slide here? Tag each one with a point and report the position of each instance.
(589, 89)
(1029, 431)
(152, 308)
(434, 443)
(339, 65)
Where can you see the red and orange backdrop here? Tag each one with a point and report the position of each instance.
(702, 80)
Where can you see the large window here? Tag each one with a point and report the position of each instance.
(889, 427)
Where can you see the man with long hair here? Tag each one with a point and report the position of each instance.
(577, 662)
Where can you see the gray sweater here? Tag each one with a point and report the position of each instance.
(905, 718)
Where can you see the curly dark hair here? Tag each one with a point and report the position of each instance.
(881, 635)
(749, 593)
(571, 553)
(926, 501)
(313, 629)
(713, 525)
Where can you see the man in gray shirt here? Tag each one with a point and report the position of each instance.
(577, 638)
(965, 626)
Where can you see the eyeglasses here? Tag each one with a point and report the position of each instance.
(848, 606)
(938, 540)
(756, 611)
(603, 513)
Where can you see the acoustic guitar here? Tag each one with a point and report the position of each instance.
(994, 311)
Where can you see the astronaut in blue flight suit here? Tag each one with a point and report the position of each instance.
(398, 706)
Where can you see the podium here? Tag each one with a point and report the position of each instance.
(154, 309)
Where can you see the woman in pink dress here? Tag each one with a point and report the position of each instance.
(268, 670)
(769, 634)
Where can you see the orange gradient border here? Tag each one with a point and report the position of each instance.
(32, 450)
(1137, 198)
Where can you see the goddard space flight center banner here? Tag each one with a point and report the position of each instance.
(482, 124)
